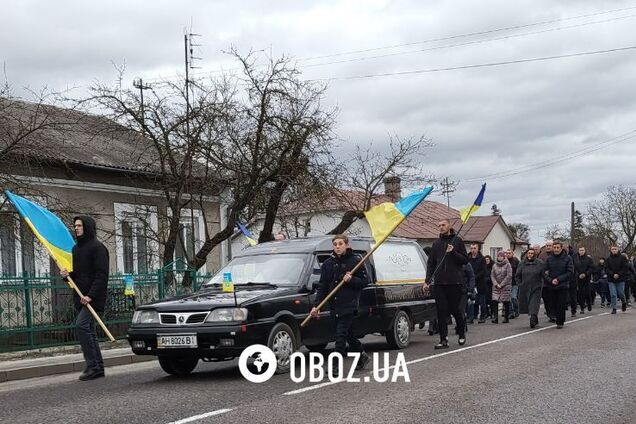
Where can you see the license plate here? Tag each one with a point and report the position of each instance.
(177, 340)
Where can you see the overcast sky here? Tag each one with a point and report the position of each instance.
(483, 120)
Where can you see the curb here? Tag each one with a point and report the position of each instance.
(24, 372)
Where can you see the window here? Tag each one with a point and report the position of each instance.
(283, 269)
(137, 249)
(191, 235)
(395, 262)
(494, 251)
(8, 265)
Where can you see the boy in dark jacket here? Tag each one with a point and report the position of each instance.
(344, 304)
(558, 272)
(90, 273)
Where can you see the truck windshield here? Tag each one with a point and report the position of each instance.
(278, 269)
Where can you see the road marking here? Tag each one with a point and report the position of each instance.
(450, 352)
(201, 416)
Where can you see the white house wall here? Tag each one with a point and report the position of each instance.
(499, 238)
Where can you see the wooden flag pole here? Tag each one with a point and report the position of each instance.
(355, 268)
(90, 309)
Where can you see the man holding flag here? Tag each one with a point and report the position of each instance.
(90, 273)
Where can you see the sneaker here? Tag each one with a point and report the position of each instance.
(559, 326)
(461, 340)
(442, 345)
(613, 311)
(364, 360)
(624, 306)
(91, 374)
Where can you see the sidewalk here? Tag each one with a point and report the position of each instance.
(60, 364)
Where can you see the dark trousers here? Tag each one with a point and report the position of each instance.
(558, 300)
(505, 313)
(584, 294)
(344, 334)
(545, 295)
(481, 303)
(87, 336)
(572, 297)
(448, 301)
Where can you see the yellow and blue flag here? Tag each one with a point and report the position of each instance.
(468, 211)
(248, 235)
(385, 217)
(48, 228)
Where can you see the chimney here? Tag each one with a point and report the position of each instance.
(392, 188)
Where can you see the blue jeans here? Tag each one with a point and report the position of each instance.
(616, 289)
(87, 336)
(482, 304)
(514, 296)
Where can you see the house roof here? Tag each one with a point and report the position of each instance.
(76, 137)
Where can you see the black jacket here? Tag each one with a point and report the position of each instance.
(469, 278)
(583, 265)
(331, 273)
(514, 263)
(90, 266)
(617, 264)
(479, 268)
(559, 267)
(450, 265)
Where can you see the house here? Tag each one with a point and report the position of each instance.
(490, 232)
(85, 164)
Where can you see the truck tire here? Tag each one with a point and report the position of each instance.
(399, 336)
(178, 366)
(282, 341)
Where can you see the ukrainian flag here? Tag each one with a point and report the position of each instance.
(385, 218)
(248, 235)
(468, 211)
(48, 228)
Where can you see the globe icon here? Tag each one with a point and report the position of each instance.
(256, 365)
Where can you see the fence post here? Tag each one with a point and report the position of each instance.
(28, 308)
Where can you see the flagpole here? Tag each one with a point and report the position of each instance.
(90, 309)
(355, 268)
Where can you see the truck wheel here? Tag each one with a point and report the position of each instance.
(282, 341)
(317, 347)
(175, 365)
(399, 336)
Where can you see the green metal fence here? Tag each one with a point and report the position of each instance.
(38, 311)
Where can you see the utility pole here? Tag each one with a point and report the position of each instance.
(448, 187)
(572, 225)
(139, 83)
(189, 59)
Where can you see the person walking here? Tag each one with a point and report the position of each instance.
(478, 263)
(617, 266)
(600, 277)
(583, 267)
(557, 277)
(90, 274)
(529, 278)
(446, 274)
(469, 296)
(573, 288)
(501, 277)
(546, 252)
(514, 294)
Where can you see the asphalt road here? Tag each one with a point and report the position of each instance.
(506, 373)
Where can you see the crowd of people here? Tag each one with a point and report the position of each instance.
(468, 285)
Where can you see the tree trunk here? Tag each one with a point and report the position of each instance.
(347, 219)
(272, 211)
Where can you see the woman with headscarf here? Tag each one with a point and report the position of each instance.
(501, 277)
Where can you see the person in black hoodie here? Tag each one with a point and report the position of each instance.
(557, 275)
(617, 267)
(344, 304)
(445, 273)
(478, 262)
(90, 273)
(583, 267)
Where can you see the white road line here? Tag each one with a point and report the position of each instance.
(450, 352)
(201, 416)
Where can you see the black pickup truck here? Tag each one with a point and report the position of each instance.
(275, 287)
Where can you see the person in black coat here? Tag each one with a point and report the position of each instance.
(90, 274)
(344, 303)
(445, 273)
(482, 278)
(557, 276)
(583, 267)
(617, 267)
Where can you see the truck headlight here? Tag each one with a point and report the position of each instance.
(227, 314)
(145, 317)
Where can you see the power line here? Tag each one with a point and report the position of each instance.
(543, 164)
(471, 34)
(467, 43)
(480, 65)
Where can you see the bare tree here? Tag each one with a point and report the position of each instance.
(613, 218)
